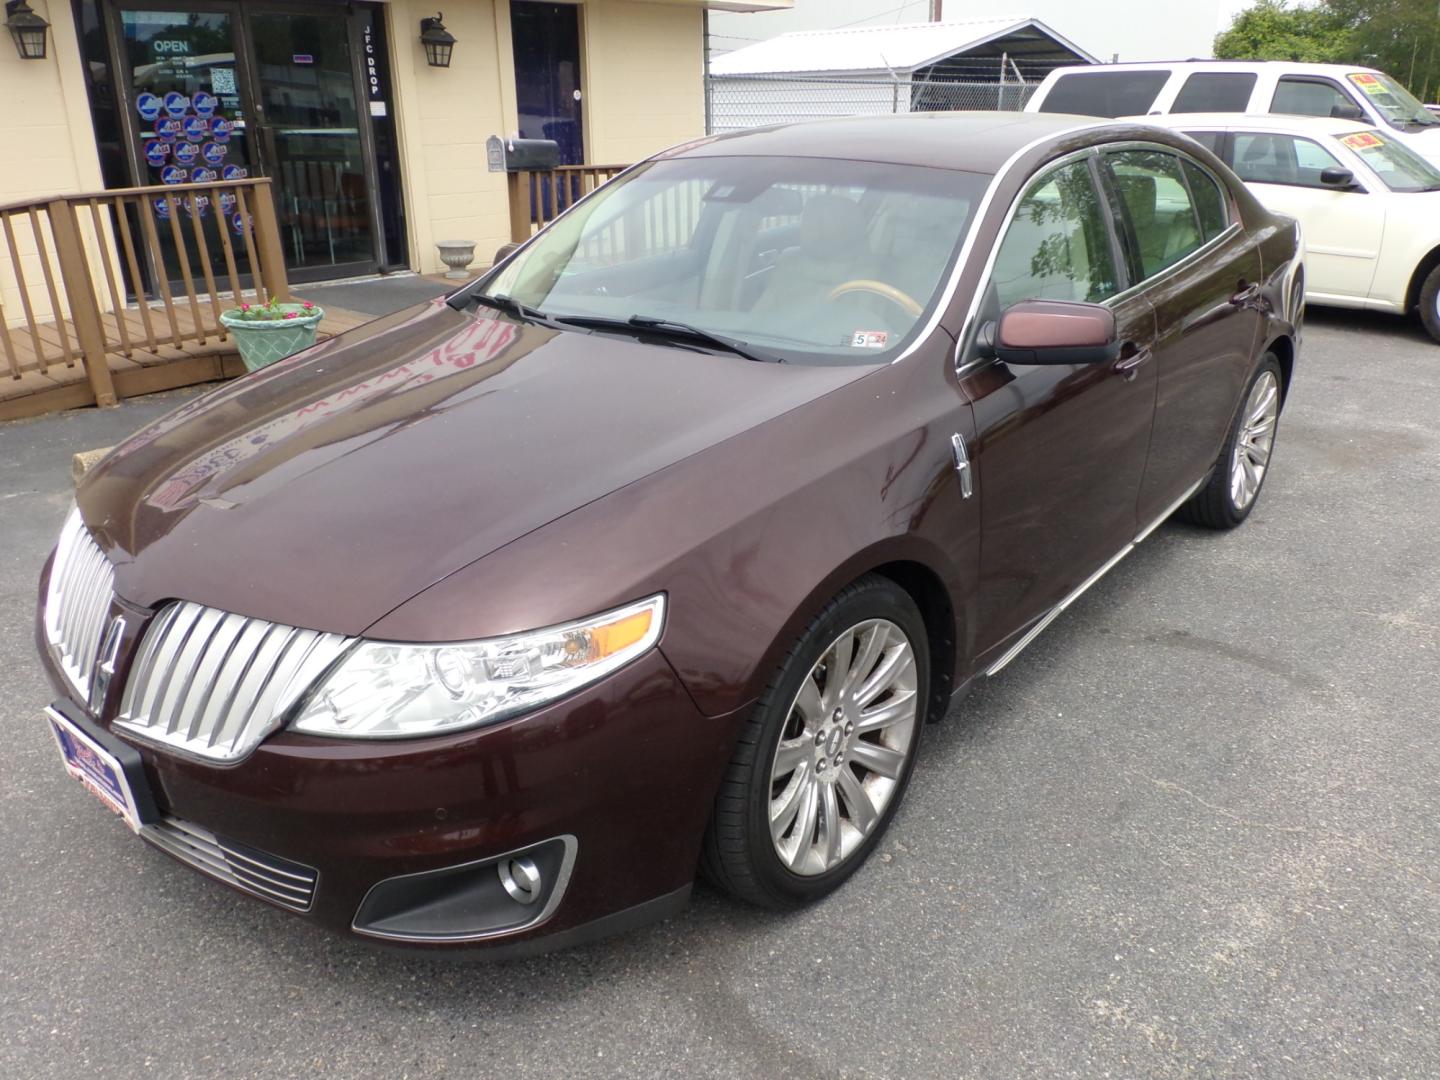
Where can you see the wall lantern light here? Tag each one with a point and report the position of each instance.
(27, 28)
(439, 43)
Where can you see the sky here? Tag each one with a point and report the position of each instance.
(1135, 29)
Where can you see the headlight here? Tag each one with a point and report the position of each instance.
(385, 690)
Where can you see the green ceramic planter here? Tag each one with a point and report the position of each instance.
(263, 341)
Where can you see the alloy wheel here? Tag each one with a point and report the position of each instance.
(844, 747)
(1251, 455)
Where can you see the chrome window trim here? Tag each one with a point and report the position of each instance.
(1097, 150)
(562, 881)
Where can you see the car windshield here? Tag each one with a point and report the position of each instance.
(1393, 101)
(1399, 167)
(806, 260)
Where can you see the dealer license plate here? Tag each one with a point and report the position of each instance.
(95, 767)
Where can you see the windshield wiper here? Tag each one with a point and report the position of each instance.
(511, 306)
(670, 328)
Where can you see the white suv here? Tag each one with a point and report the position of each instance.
(1257, 86)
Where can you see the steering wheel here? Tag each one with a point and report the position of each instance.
(904, 300)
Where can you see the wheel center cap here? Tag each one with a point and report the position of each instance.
(834, 741)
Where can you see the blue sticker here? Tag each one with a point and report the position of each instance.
(202, 176)
(205, 104)
(201, 204)
(302, 58)
(162, 208)
(156, 152)
(148, 106)
(169, 129)
(221, 129)
(213, 153)
(234, 172)
(237, 222)
(186, 153)
(227, 201)
(172, 175)
(196, 128)
(177, 104)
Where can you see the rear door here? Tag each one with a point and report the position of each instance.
(1201, 270)
(1059, 450)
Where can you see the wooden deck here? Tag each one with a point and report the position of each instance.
(202, 355)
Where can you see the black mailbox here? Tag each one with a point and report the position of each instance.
(517, 155)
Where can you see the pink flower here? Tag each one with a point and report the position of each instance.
(291, 314)
(244, 307)
(307, 305)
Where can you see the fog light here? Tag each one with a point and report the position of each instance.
(521, 878)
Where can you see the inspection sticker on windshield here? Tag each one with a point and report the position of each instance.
(870, 339)
(1362, 140)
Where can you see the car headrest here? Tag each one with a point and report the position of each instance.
(832, 227)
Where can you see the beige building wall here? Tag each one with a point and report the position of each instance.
(644, 71)
(50, 146)
(642, 68)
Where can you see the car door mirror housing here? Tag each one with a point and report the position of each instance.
(1335, 177)
(1052, 332)
(1346, 111)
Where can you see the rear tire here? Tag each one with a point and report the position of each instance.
(1228, 496)
(826, 755)
(1430, 304)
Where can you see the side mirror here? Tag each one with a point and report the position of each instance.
(1052, 332)
(504, 251)
(1346, 111)
(1338, 178)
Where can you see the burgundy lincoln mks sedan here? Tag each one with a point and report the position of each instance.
(652, 551)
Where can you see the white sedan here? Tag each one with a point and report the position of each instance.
(1368, 206)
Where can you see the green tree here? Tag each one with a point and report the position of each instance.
(1401, 37)
(1272, 30)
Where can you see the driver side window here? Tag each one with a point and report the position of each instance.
(1058, 244)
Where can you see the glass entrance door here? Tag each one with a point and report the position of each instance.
(310, 137)
(223, 89)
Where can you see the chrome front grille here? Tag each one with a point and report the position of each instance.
(214, 684)
(82, 585)
(289, 884)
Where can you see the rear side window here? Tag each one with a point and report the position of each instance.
(1265, 158)
(1215, 91)
(1209, 200)
(1208, 139)
(1158, 205)
(1105, 93)
(1313, 97)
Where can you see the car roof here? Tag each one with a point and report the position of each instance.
(1299, 125)
(1290, 66)
(970, 141)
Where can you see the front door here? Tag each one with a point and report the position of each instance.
(1060, 449)
(547, 74)
(223, 90)
(1342, 228)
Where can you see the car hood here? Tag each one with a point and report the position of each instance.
(328, 489)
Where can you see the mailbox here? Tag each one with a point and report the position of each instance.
(516, 155)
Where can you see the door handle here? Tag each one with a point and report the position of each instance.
(1247, 296)
(962, 465)
(1130, 361)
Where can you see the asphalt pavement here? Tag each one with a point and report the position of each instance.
(1192, 831)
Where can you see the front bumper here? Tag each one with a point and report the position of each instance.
(621, 774)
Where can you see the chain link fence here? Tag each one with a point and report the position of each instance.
(734, 103)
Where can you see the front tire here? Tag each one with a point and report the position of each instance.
(824, 759)
(1229, 495)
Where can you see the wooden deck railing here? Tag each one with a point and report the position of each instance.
(538, 198)
(112, 272)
